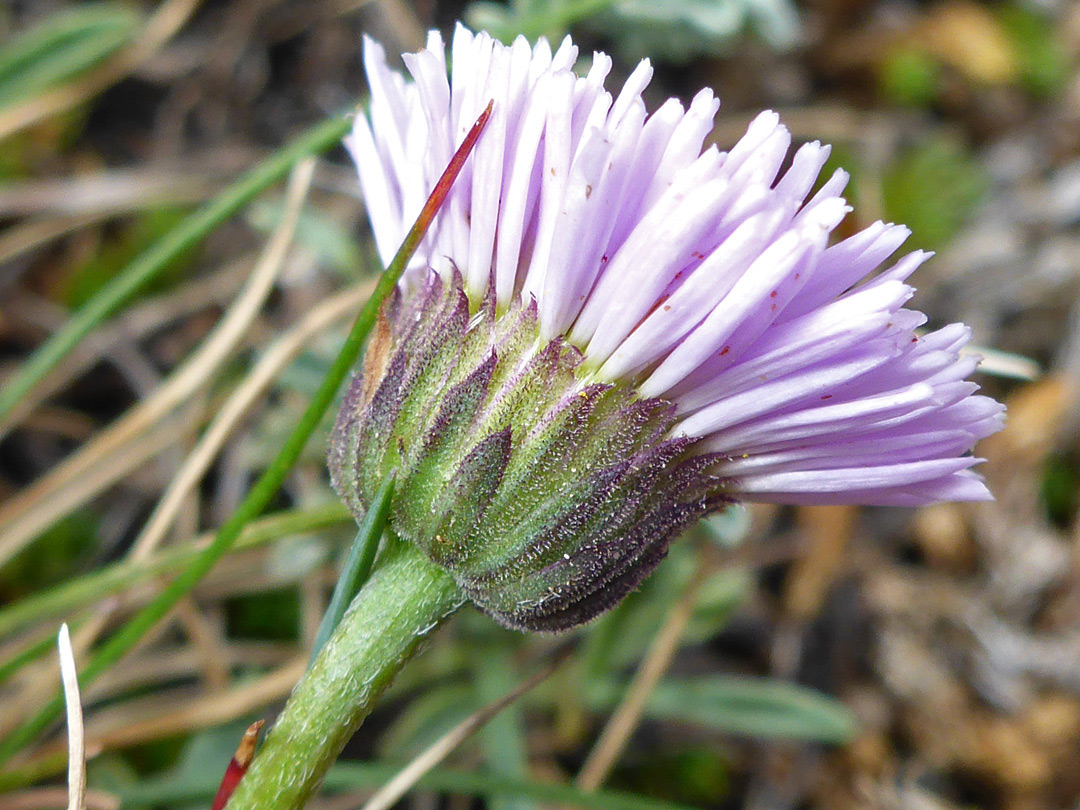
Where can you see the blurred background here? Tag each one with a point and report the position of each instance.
(830, 657)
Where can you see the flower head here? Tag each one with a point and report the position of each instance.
(590, 247)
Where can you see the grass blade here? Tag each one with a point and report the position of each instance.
(49, 57)
(752, 707)
(503, 739)
(359, 775)
(76, 593)
(269, 482)
(154, 260)
(357, 567)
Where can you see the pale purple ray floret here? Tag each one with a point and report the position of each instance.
(703, 277)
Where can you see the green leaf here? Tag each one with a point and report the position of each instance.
(1061, 489)
(679, 30)
(66, 44)
(503, 738)
(717, 600)
(28, 653)
(203, 756)
(696, 775)
(934, 189)
(360, 775)
(909, 75)
(135, 236)
(358, 563)
(59, 554)
(331, 244)
(531, 20)
(620, 637)
(728, 528)
(752, 707)
(269, 615)
(426, 718)
(1044, 62)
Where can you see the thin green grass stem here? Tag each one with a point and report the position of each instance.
(358, 563)
(30, 653)
(270, 481)
(77, 592)
(361, 775)
(45, 767)
(159, 256)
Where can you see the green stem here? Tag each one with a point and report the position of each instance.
(405, 599)
(357, 567)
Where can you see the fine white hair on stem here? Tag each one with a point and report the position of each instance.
(76, 736)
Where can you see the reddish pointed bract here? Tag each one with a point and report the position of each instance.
(238, 765)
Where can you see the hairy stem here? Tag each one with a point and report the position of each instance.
(405, 599)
